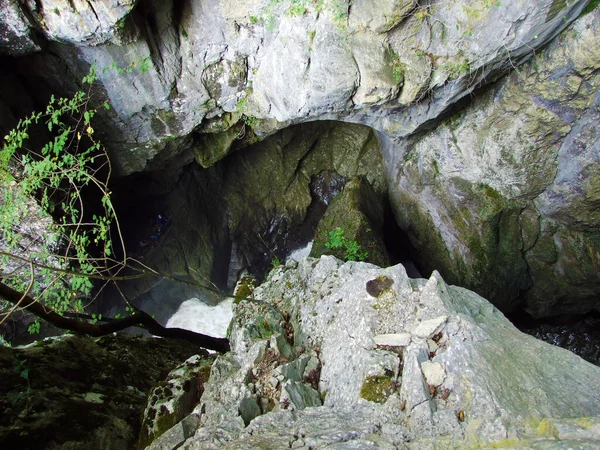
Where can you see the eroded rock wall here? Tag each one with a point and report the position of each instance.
(501, 208)
(505, 192)
(282, 62)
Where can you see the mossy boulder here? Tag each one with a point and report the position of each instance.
(358, 213)
(81, 393)
(174, 398)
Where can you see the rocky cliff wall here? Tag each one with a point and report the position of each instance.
(503, 208)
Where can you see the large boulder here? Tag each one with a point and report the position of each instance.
(397, 363)
(352, 227)
(174, 398)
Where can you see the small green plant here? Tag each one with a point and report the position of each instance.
(297, 8)
(264, 328)
(275, 262)
(34, 328)
(398, 67)
(96, 318)
(251, 121)
(458, 67)
(19, 368)
(352, 249)
(590, 7)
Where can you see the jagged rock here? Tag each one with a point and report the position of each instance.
(485, 385)
(174, 398)
(81, 393)
(280, 61)
(491, 213)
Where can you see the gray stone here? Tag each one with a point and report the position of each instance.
(249, 410)
(300, 395)
(487, 382)
(393, 340)
(177, 434)
(427, 328)
(433, 372)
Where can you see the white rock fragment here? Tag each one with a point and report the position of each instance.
(429, 327)
(393, 340)
(432, 345)
(93, 397)
(433, 372)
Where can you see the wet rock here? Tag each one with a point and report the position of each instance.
(500, 196)
(351, 228)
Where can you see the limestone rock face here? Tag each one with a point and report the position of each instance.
(494, 197)
(504, 193)
(15, 30)
(291, 62)
(464, 377)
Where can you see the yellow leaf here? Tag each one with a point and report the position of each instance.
(89, 130)
(78, 136)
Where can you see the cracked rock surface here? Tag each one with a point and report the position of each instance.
(484, 384)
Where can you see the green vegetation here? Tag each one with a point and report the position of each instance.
(47, 183)
(264, 328)
(272, 9)
(456, 67)
(398, 67)
(352, 250)
(58, 227)
(377, 388)
(591, 6)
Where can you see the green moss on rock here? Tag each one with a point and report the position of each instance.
(377, 388)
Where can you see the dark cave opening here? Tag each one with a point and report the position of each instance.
(399, 247)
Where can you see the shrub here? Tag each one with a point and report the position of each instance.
(352, 249)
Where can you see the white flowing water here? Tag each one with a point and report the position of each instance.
(195, 315)
(300, 253)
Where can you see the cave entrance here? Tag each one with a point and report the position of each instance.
(260, 204)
